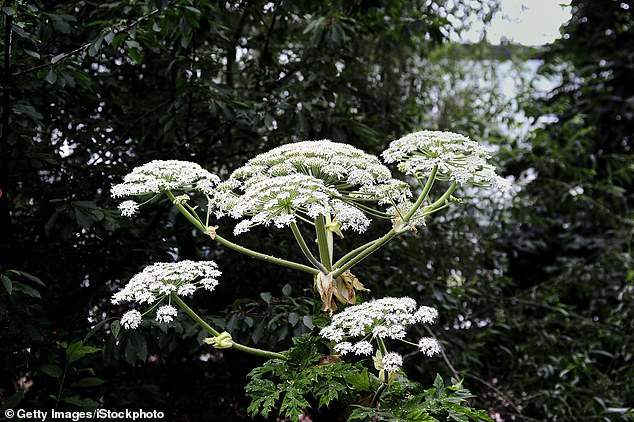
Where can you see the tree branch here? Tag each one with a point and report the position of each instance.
(87, 45)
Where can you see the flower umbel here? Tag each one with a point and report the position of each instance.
(458, 158)
(381, 319)
(281, 200)
(158, 281)
(160, 175)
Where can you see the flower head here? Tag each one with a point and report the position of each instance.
(158, 281)
(334, 163)
(166, 313)
(131, 320)
(392, 362)
(280, 200)
(458, 158)
(163, 278)
(161, 175)
(350, 172)
(386, 318)
(429, 346)
(128, 208)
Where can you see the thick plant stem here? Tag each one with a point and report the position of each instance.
(322, 242)
(264, 257)
(443, 198)
(423, 195)
(304, 247)
(373, 247)
(330, 241)
(370, 247)
(378, 394)
(352, 253)
(237, 346)
(194, 315)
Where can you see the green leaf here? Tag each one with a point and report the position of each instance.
(308, 322)
(88, 382)
(51, 77)
(84, 403)
(51, 370)
(6, 282)
(77, 350)
(28, 276)
(115, 328)
(266, 296)
(57, 58)
(138, 345)
(28, 290)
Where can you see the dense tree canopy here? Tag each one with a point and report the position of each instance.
(534, 288)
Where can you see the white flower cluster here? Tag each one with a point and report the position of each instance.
(335, 163)
(160, 280)
(279, 200)
(383, 318)
(349, 170)
(392, 362)
(458, 158)
(161, 175)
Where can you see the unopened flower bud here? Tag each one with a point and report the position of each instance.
(223, 341)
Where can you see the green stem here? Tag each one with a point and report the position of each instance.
(237, 346)
(61, 385)
(304, 247)
(330, 241)
(443, 198)
(268, 258)
(322, 242)
(352, 253)
(365, 250)
(378, 394)
(373, 247)
(423, 195)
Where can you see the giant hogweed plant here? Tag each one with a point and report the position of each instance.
(326, 189)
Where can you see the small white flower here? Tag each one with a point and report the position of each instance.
(131, 320)
(186, 289)
(392, 362)
(343, 347)
(128, 208)
(429, 346)
(426, 314)
(363, 348)
(166, 313)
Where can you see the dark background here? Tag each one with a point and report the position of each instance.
(535, 297)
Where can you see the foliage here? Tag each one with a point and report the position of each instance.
(535, 302)
(431, 405)
(307, 379)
